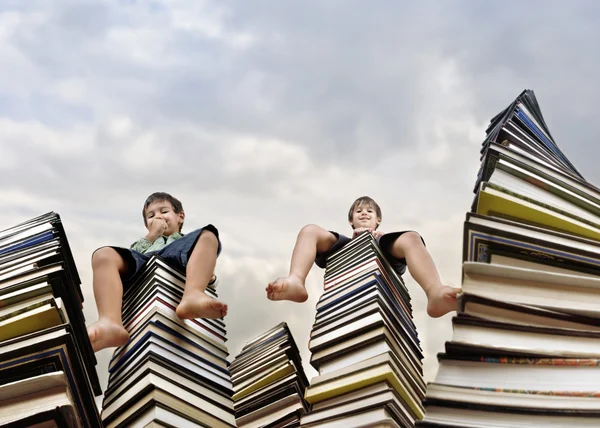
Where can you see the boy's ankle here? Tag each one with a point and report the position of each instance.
(432, 290)
(111, 320)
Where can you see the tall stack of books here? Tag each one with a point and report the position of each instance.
(269, 382)
(364, 344)
(47, 365)
(526, 344)
(172, 372)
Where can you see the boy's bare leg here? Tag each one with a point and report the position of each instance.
(311, 239)
(441, 298)
(201, 265)
(108, 331)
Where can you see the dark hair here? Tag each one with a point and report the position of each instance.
(367, 201)
(161, 197)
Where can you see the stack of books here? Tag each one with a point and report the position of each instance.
(172, 372)
(269, 382)
(47, 365)
(364, 344)
(525, 349)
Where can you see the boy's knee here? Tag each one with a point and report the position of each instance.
(207, 237)
(411, 239)
(105, 255)
(310, 229)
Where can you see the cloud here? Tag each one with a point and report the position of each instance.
(265, 116)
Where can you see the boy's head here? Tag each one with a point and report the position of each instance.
(364, 212)
(165, 207)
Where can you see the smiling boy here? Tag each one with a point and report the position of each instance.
(401, 249)
(195, 252)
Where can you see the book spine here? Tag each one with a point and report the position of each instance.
(571, 362)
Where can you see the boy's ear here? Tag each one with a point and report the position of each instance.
(181, 215)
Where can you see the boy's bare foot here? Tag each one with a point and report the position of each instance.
(287, 288)
(199, 305)
(105, 333)
(441, 300)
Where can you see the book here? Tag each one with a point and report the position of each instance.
(171, 372)
(268, 380)
(524, 346)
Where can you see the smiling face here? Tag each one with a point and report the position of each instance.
(164, 210)
(365, 215)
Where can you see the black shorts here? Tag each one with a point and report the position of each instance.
(384, 241)
(176, 254)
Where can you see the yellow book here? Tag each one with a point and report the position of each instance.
(39, 318)
(494, 200)
(270, 377)
(361, 379)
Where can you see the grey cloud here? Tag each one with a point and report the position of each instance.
(389, 99)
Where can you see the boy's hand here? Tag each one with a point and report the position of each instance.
(376, 234)
(360, 230)
(156, 229)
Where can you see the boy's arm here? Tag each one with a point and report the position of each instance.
(141, 245)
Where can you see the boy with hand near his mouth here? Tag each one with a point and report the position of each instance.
(195, 252)
(401, 249)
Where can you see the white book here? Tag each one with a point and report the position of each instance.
(21, 232)
(37, 275)
(25, 398)
(22, 294)
(523, 399)
(170, 403)
(549, 171)
(531, 374)
(483, 419)
(378, 417)
(170, 388)
(271, 412)
(506, 176)
(348, 305)
(173, 376)
(7, 311)
(180, 327)
(529, 209)
(260, 365)
(157, 416)
(556, 291)
(176, 358)
(497, 259)
(376, 388)
(350, 328)
(32, 385)
(534, 153)
(534, 233)
(17, 344)
(537, 342)
(378, 400)
(208, 335)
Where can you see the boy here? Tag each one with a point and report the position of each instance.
(402, 249)
(196, 252)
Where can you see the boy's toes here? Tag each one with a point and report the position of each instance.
(200, 306)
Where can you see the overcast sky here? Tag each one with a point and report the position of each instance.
(263, 116)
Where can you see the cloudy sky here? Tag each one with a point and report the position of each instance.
(263, 116)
